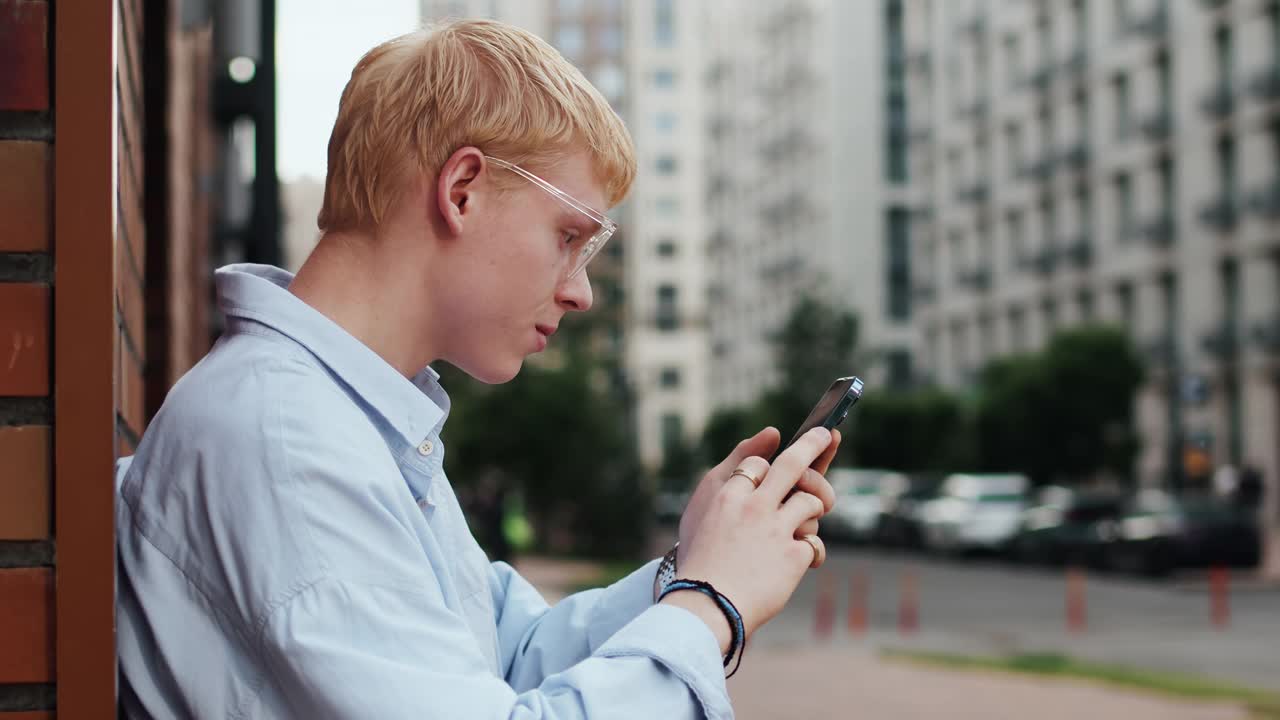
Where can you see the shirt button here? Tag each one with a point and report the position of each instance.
(426, 447)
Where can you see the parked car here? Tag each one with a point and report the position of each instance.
(901, 499)
(858, 503)
(1158, 532)
(974, 513)
(1061, 525)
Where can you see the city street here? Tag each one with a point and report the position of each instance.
(987, 607)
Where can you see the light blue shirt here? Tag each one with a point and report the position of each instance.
(289, 546)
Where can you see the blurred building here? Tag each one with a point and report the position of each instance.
(645, 56)
(801, 189)
(300, 201)
(1105, 161)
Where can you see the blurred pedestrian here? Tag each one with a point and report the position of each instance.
(289, 544)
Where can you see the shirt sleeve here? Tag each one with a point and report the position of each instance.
(537, 641)
(342, 649)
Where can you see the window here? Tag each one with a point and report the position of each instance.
(611, 81)
(1016, 241)
(1049, 310)
(1081, 106)
(1084, 305)
(1227, 165)
(1013, 143)
(1125, 305)
(1124, 207)
(664, 78)
(1120, 94)
(1222, 51)
(669, 377)
(1164, 84)
(1080, 24)
(1164, 174)
(1048, 223)
(666, 248)
(1084, 212)
(898, 272)
(1017, 329)
(667, 206)
(899, 369)
(664, 23)
(665, 122)
(666, 164)
(1169, 302)
(666, 318)
(569, 7)
(1012, 60)
(609, 39)
(672, 432)
(570, 40)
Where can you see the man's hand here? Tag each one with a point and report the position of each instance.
(763, 444)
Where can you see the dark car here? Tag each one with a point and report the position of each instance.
(900, 523)
(1062, 526)
(1159, 532)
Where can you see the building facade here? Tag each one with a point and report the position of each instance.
(1089, 161)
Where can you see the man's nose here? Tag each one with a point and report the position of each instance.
(575, 293)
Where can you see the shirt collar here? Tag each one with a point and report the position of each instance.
(412, 407)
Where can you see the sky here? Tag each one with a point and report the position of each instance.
(317, 44)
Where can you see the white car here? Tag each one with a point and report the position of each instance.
(975, 512)
(859, 500)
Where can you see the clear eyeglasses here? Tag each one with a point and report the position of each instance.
(601, 229)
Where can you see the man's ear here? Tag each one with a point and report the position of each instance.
(453, 186)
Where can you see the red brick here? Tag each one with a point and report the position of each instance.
(24, 55)
(24, 340)
(24, 196)
(27, 625)
(25, 483)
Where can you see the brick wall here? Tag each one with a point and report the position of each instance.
(26, 441)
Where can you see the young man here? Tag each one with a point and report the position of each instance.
(289, 545)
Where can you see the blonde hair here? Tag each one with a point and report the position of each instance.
(413, 101)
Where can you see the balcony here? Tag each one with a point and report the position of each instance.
(975, 25)
(925, 290)
(1077, 63)
(1266, 335)
(1042, 261)
(921, 133)
(977, 279)
(1219, 102)
(1075, 156)
(1265, 84)
(1040, 76)
(1220, 213)
(1158, 231)
(978, 110)
(919, 59)
(1078, 251)
(1153, 26)
(972, 192)
(1156, 126)
(1161, 352)
(1038, 169)
(1265, 201)
(1222, 342)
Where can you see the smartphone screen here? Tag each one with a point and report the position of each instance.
(832, 407)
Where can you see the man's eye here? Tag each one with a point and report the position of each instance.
(569, 236)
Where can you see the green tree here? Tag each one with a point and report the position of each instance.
(815, 345)
(920, 431)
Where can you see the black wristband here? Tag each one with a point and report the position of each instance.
(738, 641)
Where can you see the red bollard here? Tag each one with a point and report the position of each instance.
(908, 607)
(1076, 604)
(824, 611)
(1219, 597)
(857, 603)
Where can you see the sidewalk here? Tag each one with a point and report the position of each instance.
(830, 682)
(837, 681)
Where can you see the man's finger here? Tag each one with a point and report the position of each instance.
(764, 443)
(823, 463)
(814, 483)
(790, 465)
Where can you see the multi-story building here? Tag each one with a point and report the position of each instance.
(645, 57)
(802, 186)
(1113, 161)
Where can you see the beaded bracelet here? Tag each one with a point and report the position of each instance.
(738, 643)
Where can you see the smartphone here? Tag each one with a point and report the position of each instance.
(832, 408)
